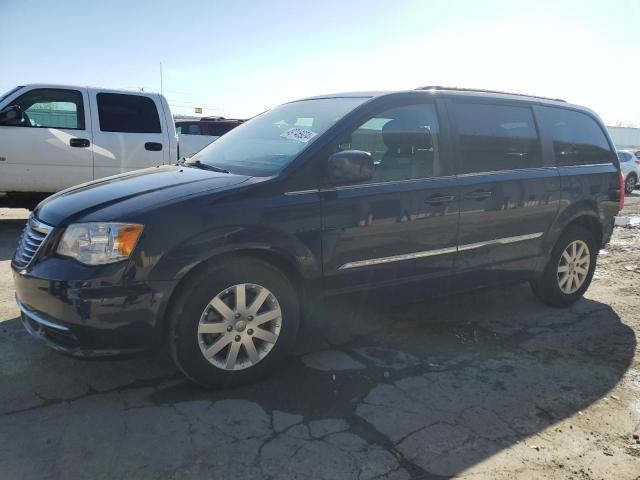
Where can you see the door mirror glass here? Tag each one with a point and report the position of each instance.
(350, 166)
(11, 116)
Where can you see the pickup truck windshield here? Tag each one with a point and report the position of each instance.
(6, 94)
(267, 143)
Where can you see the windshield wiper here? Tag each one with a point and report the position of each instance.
(206, 166)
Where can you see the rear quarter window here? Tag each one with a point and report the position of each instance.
(577, 138)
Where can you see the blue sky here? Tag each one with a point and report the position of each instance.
(240, 58)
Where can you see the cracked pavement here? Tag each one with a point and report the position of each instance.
(487, 385)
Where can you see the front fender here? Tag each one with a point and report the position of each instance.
(176, 263)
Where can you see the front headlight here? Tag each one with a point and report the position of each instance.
(99, 243)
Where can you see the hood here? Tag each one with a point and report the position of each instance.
(132, 191)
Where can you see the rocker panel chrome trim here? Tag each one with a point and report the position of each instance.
(439, 251)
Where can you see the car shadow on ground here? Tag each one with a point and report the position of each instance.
(420, 390)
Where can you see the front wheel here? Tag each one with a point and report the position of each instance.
(570, 269)
(233, 323)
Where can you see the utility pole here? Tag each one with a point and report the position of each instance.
(160, 78)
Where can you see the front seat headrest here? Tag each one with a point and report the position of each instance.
(400, 133)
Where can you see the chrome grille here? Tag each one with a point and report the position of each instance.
(32, 238)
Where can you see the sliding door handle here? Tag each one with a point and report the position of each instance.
(153, 146)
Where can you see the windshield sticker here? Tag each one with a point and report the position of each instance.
(299, 134)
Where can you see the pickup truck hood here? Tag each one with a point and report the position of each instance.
(135, 190)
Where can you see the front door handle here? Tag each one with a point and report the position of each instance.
(153, 146)
(440, 199)
(478, 195)
(79, 142)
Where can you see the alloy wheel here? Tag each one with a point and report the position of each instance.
(573, 266)
(630, 183)
(239, 326)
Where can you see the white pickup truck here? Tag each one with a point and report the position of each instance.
(56, 136)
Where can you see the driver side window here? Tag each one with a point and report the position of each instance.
(404, 142)
(51, 108)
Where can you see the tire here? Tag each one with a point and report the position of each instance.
(630, 183)
(552, 286)
(196, 324)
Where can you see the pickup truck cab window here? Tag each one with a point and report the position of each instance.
(217, 130)
(127, 113)
(189, 129)
(51, 108)
(269, 142)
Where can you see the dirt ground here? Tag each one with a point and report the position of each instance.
(490, 385)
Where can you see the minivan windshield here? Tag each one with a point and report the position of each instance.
(267, 143)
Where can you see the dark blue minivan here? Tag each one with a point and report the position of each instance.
(419, 193)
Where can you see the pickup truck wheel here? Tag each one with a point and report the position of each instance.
(233, 323)
(630, 183)
(570, 269)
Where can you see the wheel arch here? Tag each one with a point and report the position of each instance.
(586, 218)
(589, 222)
(278, 260)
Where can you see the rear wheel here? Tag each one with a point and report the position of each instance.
(570, 269)
(630, 183)
(233, 323)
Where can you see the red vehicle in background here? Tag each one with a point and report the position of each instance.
(196, 133)
(212, 126)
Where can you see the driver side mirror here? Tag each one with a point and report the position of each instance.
(11, 116)
(350, 166)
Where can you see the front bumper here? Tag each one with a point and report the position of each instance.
(90, 317)
(58, 336)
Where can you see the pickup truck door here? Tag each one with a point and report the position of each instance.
(50, 149)
(130, 132)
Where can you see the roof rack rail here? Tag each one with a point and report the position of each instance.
(480, 90)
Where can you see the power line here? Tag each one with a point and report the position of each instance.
(192, 105)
